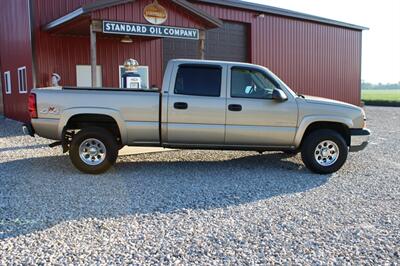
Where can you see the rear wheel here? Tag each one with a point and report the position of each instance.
(93, 150)
(324, 151)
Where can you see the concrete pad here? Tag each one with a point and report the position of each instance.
(139, 150)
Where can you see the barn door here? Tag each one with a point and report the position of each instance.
(228, 43)
(180, 49)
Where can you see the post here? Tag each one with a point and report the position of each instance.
(93, 56)
(202, 44)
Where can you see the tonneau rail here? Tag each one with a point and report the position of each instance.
(108, 89)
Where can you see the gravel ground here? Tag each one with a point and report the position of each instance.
(206, 207)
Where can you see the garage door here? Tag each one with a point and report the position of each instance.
(228, 43)
(178, 48)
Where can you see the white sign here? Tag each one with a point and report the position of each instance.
(125, 28)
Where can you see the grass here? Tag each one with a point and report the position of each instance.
(381, 97)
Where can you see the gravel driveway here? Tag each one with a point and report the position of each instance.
(206, 207)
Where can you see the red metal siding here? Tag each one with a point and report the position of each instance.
(58, 54)
(61, 54)
(311, 58)
(133, 12)
(47, 11)
(112, 53)
(15, 52)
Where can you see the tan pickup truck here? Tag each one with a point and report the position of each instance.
(202, 105)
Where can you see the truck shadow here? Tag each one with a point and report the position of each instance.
(31, 147)
(10, 128)
(39, 193)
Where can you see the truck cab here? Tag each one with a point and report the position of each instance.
(226, 105)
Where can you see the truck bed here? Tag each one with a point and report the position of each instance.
(133, 109)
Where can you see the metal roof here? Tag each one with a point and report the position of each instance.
(85, 9)
(100, 4)
(281, 12)
(199, 12)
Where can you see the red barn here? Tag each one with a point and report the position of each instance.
(313, 55)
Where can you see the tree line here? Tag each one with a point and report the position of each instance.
(380, 86)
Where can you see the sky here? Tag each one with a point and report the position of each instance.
(381, 43)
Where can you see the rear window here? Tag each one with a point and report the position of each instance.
(199, 81)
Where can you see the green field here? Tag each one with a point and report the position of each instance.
(381, 97)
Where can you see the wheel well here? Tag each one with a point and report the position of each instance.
(81, 121)
(342, 129)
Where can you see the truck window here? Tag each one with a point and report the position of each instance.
(198, 80)
(250, 83)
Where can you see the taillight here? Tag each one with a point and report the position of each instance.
(32, 106)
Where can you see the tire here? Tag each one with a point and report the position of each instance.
(324, 151)
(93, 150)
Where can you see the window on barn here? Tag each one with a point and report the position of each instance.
(22, 86)
(84, 76)
(7, 82)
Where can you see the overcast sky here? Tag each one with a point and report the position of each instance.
(381, 43)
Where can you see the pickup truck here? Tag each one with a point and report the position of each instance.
(202, 105)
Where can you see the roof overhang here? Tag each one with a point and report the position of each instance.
(213, 21)
(82, 11)
(85, 10)
(281, 12)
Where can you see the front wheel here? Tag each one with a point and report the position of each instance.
(324, 151)
(93, 150)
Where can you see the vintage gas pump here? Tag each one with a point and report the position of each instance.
(131, 79)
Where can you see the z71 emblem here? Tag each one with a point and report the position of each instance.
(49, 110)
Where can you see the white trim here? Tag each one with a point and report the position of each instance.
(120, 67)
(68, 17)
(22, 88)
(7, 82)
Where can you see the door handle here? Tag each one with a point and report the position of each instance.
(235, 107)
(180, 105)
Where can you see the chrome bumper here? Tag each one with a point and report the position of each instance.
(359, 139)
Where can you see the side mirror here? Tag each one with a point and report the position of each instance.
(279, 95)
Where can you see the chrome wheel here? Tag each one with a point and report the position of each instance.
(326, 153)
(92, 151)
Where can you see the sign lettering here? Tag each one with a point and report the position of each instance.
(125, 28)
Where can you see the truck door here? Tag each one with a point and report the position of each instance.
(196, 105)
(253, 117)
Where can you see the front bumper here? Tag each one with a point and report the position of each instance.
(28, 130)
(359, 139)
